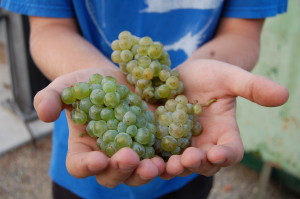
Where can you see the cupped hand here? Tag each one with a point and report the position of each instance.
(220, 144)
(84, 158)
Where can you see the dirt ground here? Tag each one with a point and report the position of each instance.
(24, 175)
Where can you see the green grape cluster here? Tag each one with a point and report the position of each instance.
(147, 66)
(177, 123)
(113, 115)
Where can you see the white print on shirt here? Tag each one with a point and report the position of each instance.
(161, 6)
(189, 42)
(91, 11)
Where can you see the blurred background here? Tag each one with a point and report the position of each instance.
(271, 136)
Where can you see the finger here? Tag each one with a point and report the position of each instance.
(195, 160)
(174, 166)
(121, 166)
(256, 88)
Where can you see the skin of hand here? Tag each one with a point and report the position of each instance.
(220, 144)
(84, 158)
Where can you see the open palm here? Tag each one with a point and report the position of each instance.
(220, 143)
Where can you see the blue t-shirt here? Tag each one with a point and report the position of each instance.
(182, 26)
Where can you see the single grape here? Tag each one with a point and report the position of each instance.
(123, 140)
(146, 41)
(164, 75)
(172, 82)
(101, 144)
(155, 51)
(109, 86)
(126, 55)
(163, 91)
(109, 136)
(129, 118)
(100, 127)
(197, 109)
(115, 45)
(68, 96)
(170, 105)
(97, 96)
(149, 152)
(95, 79)
(197, 129)
(94, 112)
(123, 91)
(121, 128)
(165, 119)
(138, 148)
(131, 130)
(169, 143)
(81, 90)
(107, 114)
(78, 116)
(90, 129)
(176, 130)
(143, 136)
(110, 149)
(148, 74)
(144, 61)
(112, 124)
(179, 116)
(116, 56)
(112, 99)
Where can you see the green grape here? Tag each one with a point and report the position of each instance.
(85, 104)
(107, 114)
(180, 88)
(148, 74)
(97, 96)
(112, 99)
(176, 151)
(146, 41)
(157, 146)
(182, 107)
(138, 148)
(109, 86)
(172, 82)
(151, 127)
(164, 75)
(150, 117)
(122, 127)
(135, 39)
(175, 73)
(161, 109)
(134, 49)
(179, 116)
(115, 45)
(101, 144)
(137, 72)
(112, 124)
(176, 130)
(152, 140)
(95, 86)
(90, 129)
(110, 149)
(123, 140)
(78, 116)
(129, 118)
(100, 127)
(125, 44)
(162, 131)
(142, 50)
(129, 79)
(163, 91)
(136, 110)
(155, 66)
(197, 129)
(134, 99)
(108, 79)
(190, 108)
(170, 105)
(132, 130)
(155, 51)
(131, 65)
(141, 121)
(95, 79)
(144, 106)
(169, 143)
(81, 90)
(68, 96)
(94, 112)
(126, 55)
(142, 83)
(123, 91)
(120, 111)
(109, 136)
(197, 109)
(125, 35)
(183, 143)
(148, 92)
(164, 119)
(116, 56)
(149, 152)
(144, 61)
(143, 136)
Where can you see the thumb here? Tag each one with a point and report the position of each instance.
(256, 88)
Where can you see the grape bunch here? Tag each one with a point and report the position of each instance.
(147, 66)
(113, 115)
(177, 123)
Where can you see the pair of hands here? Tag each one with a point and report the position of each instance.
(219, 145)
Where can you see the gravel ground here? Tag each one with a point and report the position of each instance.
(24, 175)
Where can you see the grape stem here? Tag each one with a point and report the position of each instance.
(209, 103)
